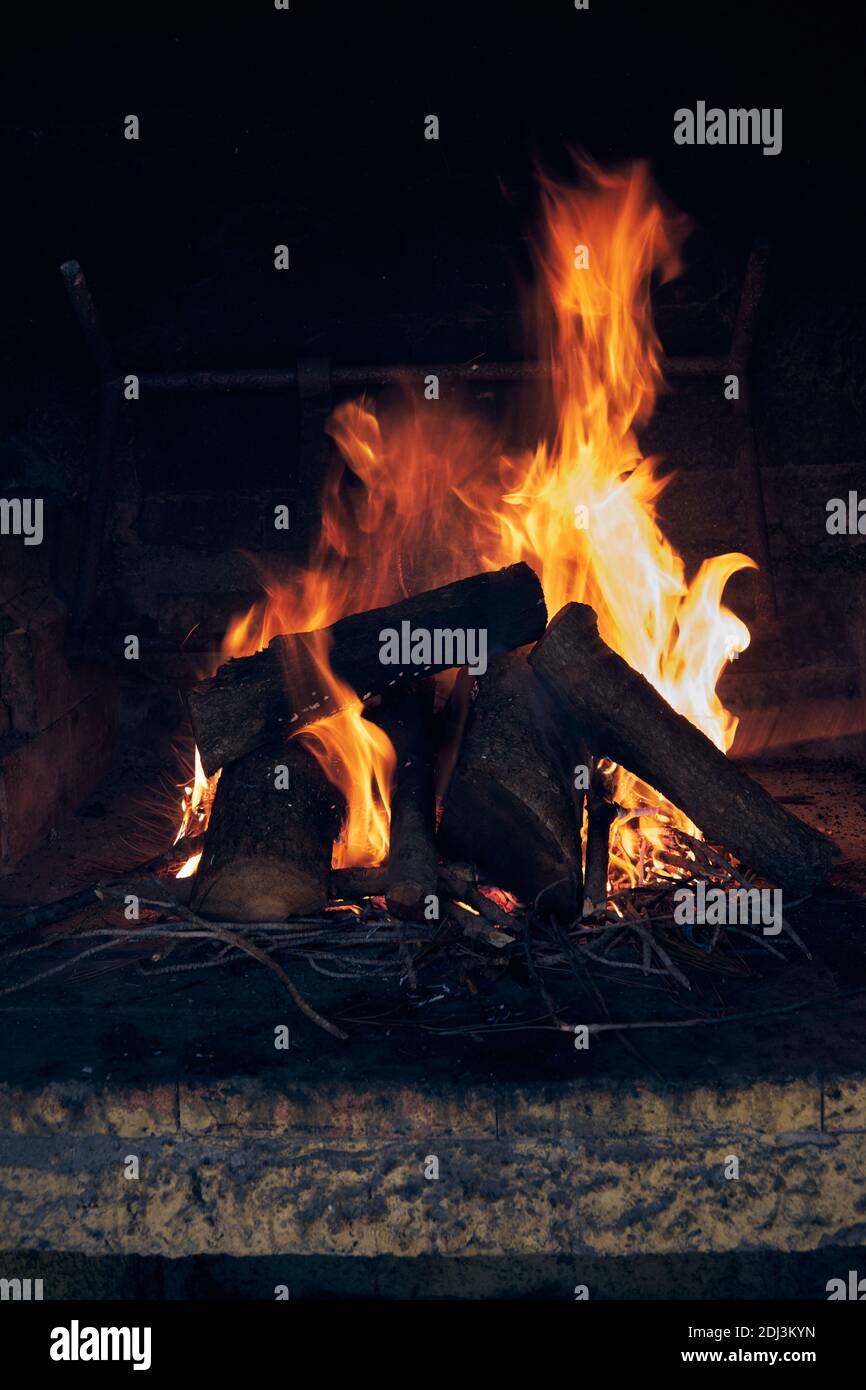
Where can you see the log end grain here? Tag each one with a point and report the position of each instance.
(244, 890)
(268, 847)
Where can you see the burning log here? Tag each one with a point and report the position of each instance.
(253, 700)
(267, 850)
(626, 719)
(348, 885)
(600, 816)
(477, 928)
(511, 806)
(406, 715)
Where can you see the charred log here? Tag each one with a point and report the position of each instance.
(406, 715)
(511, 807)
(628, 721)
(267, 850)
(255, 699)
(600, 816)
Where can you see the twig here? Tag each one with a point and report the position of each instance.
(584, 976)
(615, 1027)
(235, 939)
(478, 928)
(86, 897)
(656, 947)
(536, 978)
(462, 889)
(211, 930)
(406, 958)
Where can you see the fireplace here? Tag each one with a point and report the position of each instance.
(455, 675)
(440, 536)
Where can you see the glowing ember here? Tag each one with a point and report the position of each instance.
(422, 493)
(501, 898)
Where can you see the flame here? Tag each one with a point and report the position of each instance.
(392, 518)
(359, 759)
(356, 755)
(582, 506)
(195, 807)
(421, 492)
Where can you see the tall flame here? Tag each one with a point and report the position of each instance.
(582, 507)
(421, 492)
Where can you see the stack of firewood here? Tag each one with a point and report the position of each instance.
(554, 699)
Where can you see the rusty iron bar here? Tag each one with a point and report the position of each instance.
(288, 378)
(221, 379)
(318, 376)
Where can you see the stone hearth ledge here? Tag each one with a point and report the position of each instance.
(260, 1165)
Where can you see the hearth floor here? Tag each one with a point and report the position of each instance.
(412, 1138)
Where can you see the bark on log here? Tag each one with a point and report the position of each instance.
(511, 807)
(406, 715)
(350, 885)
(627, 720)
(600, 817)
(267, 851)
(255, 699)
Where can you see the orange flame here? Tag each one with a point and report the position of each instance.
(195, 811)
(582, 507)
(356, 755)
(421, 492)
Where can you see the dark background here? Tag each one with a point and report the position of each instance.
(261, 126)
(306, 127)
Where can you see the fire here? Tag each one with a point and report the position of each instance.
(392, 517)
(195, 810)
(422, 492)
(581, 507)
(356, 755)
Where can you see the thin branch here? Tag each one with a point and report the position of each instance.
(235, 939)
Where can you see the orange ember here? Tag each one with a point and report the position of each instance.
(421, 492)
